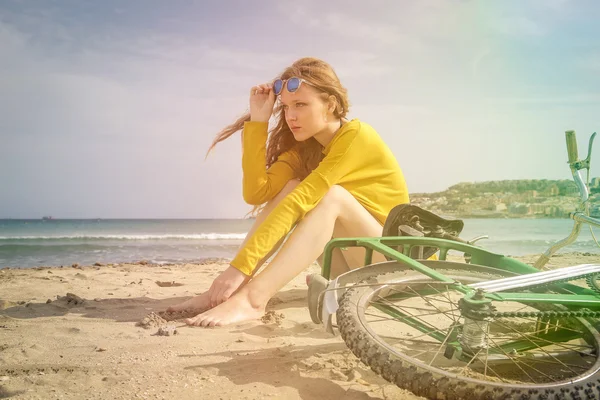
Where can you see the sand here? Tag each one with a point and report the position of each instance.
(96, 332)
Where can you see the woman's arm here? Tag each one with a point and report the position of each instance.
(259, 183)
(300, 201)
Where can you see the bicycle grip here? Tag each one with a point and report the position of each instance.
(571, 146)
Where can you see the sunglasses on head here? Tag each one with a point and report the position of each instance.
(291, 85)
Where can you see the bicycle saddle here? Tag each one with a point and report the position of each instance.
(412, 220)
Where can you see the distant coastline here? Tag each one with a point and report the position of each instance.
(526, 198)
(531, 198)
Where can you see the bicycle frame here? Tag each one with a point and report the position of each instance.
(569, 295)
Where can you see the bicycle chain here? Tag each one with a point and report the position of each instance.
(591, 281)
(537, 314)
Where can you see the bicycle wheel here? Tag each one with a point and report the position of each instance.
(518, 357)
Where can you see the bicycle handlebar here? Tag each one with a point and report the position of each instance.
(572, 146)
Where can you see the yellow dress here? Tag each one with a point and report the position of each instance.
(356, 159)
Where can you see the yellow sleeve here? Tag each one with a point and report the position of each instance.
(259, 184)
(298, 203)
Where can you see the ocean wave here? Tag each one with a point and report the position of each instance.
(194, 236)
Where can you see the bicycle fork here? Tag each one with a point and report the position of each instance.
(582, 213)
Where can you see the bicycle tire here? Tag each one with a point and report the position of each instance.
(431, 382)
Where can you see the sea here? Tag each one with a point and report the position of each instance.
(56, 242)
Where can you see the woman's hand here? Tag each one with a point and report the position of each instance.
(262, 100)
(224, 285)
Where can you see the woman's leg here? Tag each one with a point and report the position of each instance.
(287, 189)
(202, 301)
(303, 247)
(345, 259)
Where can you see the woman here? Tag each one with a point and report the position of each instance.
(320, 173)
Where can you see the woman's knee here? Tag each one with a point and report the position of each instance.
(334, 196)
(350, 214)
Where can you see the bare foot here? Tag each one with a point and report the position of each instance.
(237, 309)
(200, 303)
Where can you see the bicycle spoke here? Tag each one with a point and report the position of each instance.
(541, 330)
(486, 367)
(451, 315)
(408, 339)
(432, 329)
(413, 292)
(428, 302)
(427, 334)
(421, 353)
(440, 347)
(510, 358)
(419, 320)
(543, 361)
(532, 367)
(403, 311)
(447, 293)
(487, 355)
(386, 301)
(545, 352)
(402, 318)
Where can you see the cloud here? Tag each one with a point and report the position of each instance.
(354, 28)
(478, 60)
(554, 5)
(518, 26)
(341, 23)
(581, 98)
(10, 38)
(590, 62)
(359, 64)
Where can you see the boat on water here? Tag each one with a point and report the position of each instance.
(47, 218)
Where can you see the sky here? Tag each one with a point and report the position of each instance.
(107, 107)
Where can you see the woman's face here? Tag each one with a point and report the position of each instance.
(305, 111)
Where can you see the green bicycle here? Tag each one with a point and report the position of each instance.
(487, 328)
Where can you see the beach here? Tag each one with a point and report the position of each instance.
(95, 332)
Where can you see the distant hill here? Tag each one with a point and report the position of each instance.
(509, 198)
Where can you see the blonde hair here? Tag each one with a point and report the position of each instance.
(321, 76)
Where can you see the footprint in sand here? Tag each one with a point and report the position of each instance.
(179, 315)
(168, 284)
(33, 351)
(5, 393)
(4, 304)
